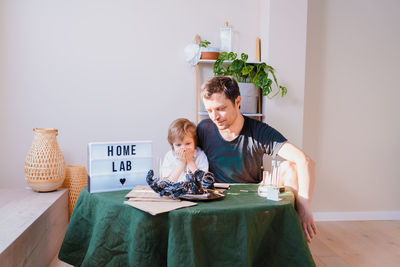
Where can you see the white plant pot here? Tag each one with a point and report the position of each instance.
(250, 95)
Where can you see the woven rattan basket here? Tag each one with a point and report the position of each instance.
(76, 179)
(44, 164)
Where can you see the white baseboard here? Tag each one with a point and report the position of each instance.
(357, 216)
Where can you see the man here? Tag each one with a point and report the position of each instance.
(235, 145)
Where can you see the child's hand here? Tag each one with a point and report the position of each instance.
(189, 155)
(180, 154)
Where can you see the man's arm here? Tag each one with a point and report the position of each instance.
(305, 177)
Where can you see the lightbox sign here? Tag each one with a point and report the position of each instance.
(115, 166)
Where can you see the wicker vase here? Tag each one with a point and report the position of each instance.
(44, 164)
(76, 179)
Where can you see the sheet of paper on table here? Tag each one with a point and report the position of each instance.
(144, 198)
(142, 191)
(155, 208)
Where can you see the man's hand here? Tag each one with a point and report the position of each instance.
(306, 218)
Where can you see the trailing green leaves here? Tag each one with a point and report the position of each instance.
(228, 64)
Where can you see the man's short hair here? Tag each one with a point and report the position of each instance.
(179, 128)
(221, 84)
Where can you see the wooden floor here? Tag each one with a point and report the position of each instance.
(357, 243)
(351, 243)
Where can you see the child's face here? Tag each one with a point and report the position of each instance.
(186, 143)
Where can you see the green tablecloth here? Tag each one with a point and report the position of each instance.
(241, 229)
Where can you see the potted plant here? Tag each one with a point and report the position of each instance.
(250, 77)
(208, 52)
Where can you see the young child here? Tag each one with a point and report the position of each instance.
(184, 156)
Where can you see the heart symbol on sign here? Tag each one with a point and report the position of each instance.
(122, 181)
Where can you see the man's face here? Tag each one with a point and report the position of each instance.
(221, 110)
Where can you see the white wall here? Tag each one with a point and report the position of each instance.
(351, 117)
(285, 49)
(107, 70)
(103, 70)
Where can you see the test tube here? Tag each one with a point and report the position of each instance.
(273, 172)
(278, 173)
(159, 167)
(266, 178)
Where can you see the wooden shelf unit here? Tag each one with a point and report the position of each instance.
(258, 115)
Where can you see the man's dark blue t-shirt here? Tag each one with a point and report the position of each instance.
(239, 160)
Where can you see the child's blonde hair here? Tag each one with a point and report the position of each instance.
(179, 128)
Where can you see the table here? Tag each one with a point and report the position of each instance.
(241, 229)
